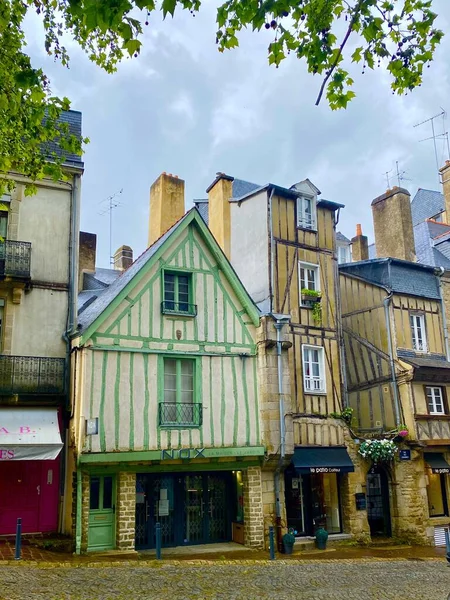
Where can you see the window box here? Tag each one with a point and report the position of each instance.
(310, 299)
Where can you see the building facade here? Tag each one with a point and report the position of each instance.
(38, 283)
(282, 243)
(167, 425)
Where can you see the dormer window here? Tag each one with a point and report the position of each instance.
(306, 212)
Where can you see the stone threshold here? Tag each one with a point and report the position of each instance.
(331, 538)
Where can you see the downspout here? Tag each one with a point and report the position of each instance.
(339, 329)
(78, 513)
(439, 272)
(386, 303)
(72, 310)
(272, 251)
(279, 324)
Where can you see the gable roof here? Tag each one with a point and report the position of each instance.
(431, 245)
(426, 204)
(340, 237)
(94, 313)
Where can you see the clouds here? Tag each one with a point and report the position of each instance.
(184, 108)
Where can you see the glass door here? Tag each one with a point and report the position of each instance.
(218, 509)
(155, 503)
(194, 509)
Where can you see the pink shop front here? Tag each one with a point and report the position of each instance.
(30, 463)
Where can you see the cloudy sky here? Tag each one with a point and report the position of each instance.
(184, 108)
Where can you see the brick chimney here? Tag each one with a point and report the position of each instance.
(123, 258)
(86, 256)
(394, 237)
(166, 205)
(445, 178)
(360, 246)
(219, 210)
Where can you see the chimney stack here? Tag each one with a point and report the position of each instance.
(166, 205)
(394, 236)
(445, 178)
(123, 258)
(360, 246)
(219, 210)
(86, 256)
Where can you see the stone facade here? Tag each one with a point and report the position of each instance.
(253, 508)
(126, 511)
(84, 511)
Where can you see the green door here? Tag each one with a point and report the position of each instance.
(101, 512)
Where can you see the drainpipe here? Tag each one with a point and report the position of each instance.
(272, 250)
(78, 513)
(439, 272)
(279, 324)
(72, 310)
(386, 303)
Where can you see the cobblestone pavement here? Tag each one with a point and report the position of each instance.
(281, 580)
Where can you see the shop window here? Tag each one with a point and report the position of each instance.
(313, 369)
(177, 293)
(179, 407)
(306, 212)
(436, 400)
(419, 340)
(437, 497)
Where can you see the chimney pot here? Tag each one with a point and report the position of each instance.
(123, 258)
(358, 230)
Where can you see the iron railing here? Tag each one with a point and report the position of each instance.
(180, 413)
(31, 375)
(15, 258)
(169, 306)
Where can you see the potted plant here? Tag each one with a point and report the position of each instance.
(321, 535)
(289, 540)
(401, 433)
(310, 297)
(378, 450)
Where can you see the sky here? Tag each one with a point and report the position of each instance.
(184, 108)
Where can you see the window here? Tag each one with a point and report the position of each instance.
(309, 277)
(178, 293)
(306, 212)
(435, 400)
(101, 492)
(437, 497)
(179, 407)
(313, 370)
(419, 341)
(344, 255)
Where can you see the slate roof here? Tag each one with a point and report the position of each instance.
(401, 276)
(202, 207)
(426, 204)
(429, 360)
(242, 188)
(74, 119)
(340, 237)
(101, 279)
(429, 250)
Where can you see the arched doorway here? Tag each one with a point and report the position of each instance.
(378, 509)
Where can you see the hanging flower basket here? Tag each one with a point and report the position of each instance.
(378, 450)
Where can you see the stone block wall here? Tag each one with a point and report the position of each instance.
(126, 511)
(84, 511)
(253, 508)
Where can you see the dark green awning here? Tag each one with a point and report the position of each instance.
(330, 459)
(437, 462)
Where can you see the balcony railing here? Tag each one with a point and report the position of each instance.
(314, 384)
(179, 308)
(180, 414)
(15, 259)
(31, 375)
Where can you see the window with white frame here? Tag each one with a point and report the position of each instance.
(306, 212)
(313, 369)
(435, 400)
(419, 340)
(344, 254)
(309, 277)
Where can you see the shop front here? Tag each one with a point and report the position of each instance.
(30, 446)
(312, 488)
(437, 471)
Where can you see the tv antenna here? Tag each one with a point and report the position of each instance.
(399, 175)
(437, 136)
(113, 202)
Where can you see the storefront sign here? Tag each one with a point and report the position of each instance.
(183, 453)
(404, 454)
(325, 470)
(440, 470)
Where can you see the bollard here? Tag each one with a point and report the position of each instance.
(271, 543)
(158, 541)
(18, 539)
(447, 544)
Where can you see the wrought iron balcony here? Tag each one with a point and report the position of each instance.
(178, 308)
(179, 414)
(15, 259)
(31, 375)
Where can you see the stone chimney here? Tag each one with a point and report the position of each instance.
(123, 258)
(394, 237)
(360, 246)
(219, 210)
(445, 178)
(166, 205)
(86, 256)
